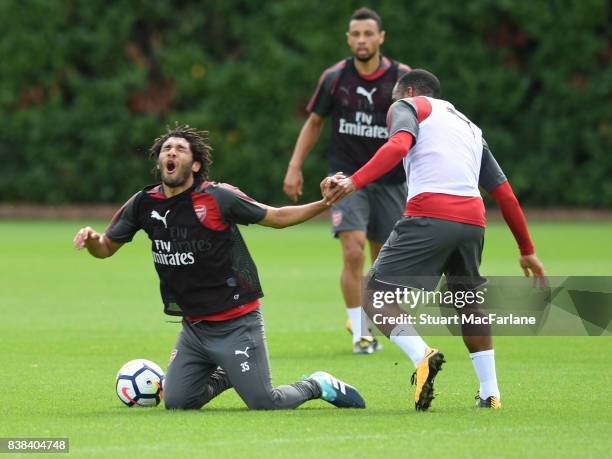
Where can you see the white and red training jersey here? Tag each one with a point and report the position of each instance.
(446, 161)
(444, 167)
(446, 158)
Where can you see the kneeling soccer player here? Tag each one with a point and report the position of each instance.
(208, 277)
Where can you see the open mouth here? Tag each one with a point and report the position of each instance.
(170, 166)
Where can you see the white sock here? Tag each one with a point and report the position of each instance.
(410, 342)
(484, 364)
(357, 319)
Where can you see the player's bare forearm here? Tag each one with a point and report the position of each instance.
(306, 140)
(96, 243)
(282, 217)
(294, 181)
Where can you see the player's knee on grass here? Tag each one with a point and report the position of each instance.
(178, 400)
(181, 403)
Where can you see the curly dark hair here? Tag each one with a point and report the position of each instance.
(198, 143)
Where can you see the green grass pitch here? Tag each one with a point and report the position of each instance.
(70, 321)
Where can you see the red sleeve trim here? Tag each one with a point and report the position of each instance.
(115, 218)
(385, 159)
(423, 107)
(240, 193)
(514, 216)
(237, 191)
(338, 66)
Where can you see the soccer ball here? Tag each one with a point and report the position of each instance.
(140, 382)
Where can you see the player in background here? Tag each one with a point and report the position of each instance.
(442, 230)
(208, 277)
(356, 94)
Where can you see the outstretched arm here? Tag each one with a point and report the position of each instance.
(385, 159)
(403, 120)
(282, 217)
(96, 243)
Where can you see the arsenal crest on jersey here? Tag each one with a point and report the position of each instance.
(336, 217)
(200, 211)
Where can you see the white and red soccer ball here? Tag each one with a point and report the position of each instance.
(140, 382)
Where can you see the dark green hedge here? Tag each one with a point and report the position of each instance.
(87, 85)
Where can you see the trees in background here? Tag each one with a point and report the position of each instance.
(86, 86)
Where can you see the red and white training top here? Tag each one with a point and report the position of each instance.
(446, 158)
(443, 168)
(446, 161)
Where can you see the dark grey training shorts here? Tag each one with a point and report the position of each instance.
(239, 347)
(374, 209)
(421, 249)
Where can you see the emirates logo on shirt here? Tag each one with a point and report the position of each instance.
(363, 126)
(166, 253)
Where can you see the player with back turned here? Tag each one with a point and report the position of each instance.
(442, 230)
(356, 94)
(208, 277)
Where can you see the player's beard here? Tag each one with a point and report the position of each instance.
(365, 58)
(178, 178)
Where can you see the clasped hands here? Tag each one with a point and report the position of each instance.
(336, 187)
